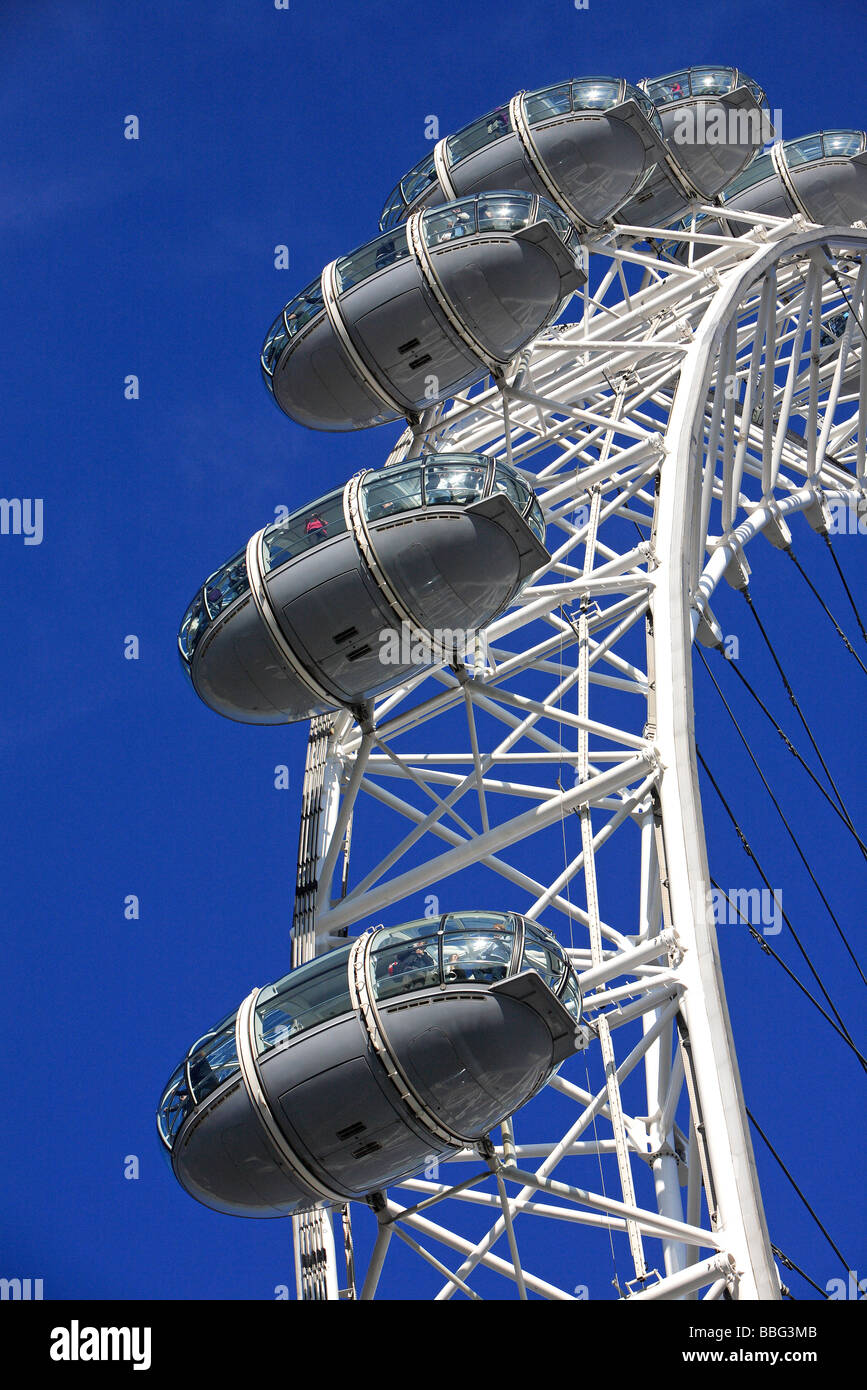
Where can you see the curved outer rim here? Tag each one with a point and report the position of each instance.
(262, 600)
(435, 287)
(524, 132)
(741, 1225)
(331, 300)
(355, 520)
(252, 1079)
(362, 996)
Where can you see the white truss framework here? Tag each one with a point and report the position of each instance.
(691, 407)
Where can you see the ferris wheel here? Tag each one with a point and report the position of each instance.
(612, 385)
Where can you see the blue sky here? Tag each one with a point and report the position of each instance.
(155, 257)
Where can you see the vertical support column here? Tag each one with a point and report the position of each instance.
(313, 1232)
(737, 1213)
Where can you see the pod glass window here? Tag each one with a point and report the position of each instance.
(392, 491)
(757, 91)
(195, 621)
(226, 584)
(466, 946)
(477, 947)
(405, 958)
(694, 82)
(418, 179)
(513, 485)
(543, 954)
(455, 484)
(595, 93)
(213, 1059)
(478, 135)
(548, 102)
(308, 996)
(503, 212)
(571, 996)
(411, 186)
(536, 520)
(297, 313)
(174, 1107)
(643, 100)
(760, 168)
(803, 151)
(376, 255)
(841, 144)
(303, 530)
(222, 588)
(210, 1061)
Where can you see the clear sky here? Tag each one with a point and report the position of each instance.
(155, 257)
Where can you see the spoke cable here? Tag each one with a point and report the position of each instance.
(791, 694)
(782, 816)
(758, 1127)
(827, 539)
(811, 586)
(768, 949)
(788, 1263)
(751, 854)
(733, 665)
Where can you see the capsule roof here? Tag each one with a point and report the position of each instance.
(476, 948)
(585, 95)
(702, 81)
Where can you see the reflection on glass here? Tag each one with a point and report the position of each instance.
(418, 179)
(394, 210)
(482, 955)
(803, 151)
(213, 1059)
(406, 958)
(571, 996)
(536, 521)
(761, 168)
(375, 255)
(458, 220)
(453, 484)
(543, 954)
(506, 481)
(711, 81)
(635, 94)
(195, 621)
(550, 101)
(595, 93)
(227, 584)
(675, 87)
(476, 136)
(753, 87)
(174, 1107)
(303, 530)
(843, 143)
(701, 82)
(310, 995)
(505, 213)
(392, 491)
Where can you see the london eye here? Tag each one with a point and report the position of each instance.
(621, 336)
